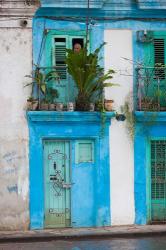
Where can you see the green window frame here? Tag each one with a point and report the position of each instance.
(56, 44)
(84, 151)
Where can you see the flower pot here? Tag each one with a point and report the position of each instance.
(32, 105)
(52, 106)
(149, 105)
(44, 106)
(70, 106)
(108, 105)
(162, 108)
(59, 106)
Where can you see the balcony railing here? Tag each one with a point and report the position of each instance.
(151, 88)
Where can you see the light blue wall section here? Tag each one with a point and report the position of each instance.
(148, 126)
(72, 126)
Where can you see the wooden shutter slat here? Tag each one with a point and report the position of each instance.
(60, 56)
(159, 57)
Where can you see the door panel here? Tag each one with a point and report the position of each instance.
(83, 171)
(57, 183)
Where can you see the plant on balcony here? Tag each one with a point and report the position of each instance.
(88, 75)
(46, 92)
(150, 95)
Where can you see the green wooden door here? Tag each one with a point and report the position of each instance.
(57, 183)
(158, 180)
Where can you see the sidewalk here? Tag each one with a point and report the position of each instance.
(78, 233)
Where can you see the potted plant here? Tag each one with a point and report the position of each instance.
(108, 104)
(88, 75)
(45, 85)
(44, 105)
(51, 95)
(32, 103)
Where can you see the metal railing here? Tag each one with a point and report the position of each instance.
(151, 88)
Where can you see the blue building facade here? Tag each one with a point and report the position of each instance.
(87, 185)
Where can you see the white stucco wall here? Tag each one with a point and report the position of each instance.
(15, 63)
(119, 46)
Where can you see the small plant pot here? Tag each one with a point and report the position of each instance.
(162, 108)
(108, 105)
(150, 106)
(70, 106)
(44, 106)
(51, 106)
(59, 106)
(91, 107)
(32, 105)
(29, 105)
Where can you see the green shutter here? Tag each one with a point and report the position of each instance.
(55, 53)
(60, 56)
(159, 57)
(158, 180)
(155, 56)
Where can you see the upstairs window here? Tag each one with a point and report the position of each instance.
(55, 53)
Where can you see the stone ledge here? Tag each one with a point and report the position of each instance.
(147, 116)
(67, 117)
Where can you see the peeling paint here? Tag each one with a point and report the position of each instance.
(12, 189)
(14, 164)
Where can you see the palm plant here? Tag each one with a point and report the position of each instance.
(88, 75)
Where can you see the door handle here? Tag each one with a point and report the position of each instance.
(67, 185)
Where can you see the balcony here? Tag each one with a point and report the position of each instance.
(151, 88)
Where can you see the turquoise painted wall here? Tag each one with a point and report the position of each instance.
(71, 126)
(107, 5)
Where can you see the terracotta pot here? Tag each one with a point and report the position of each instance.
(149, 106)
(44, 106)
(108, 104)
(52, 106)
(32, 105)
(162, 108)
(59, 106)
